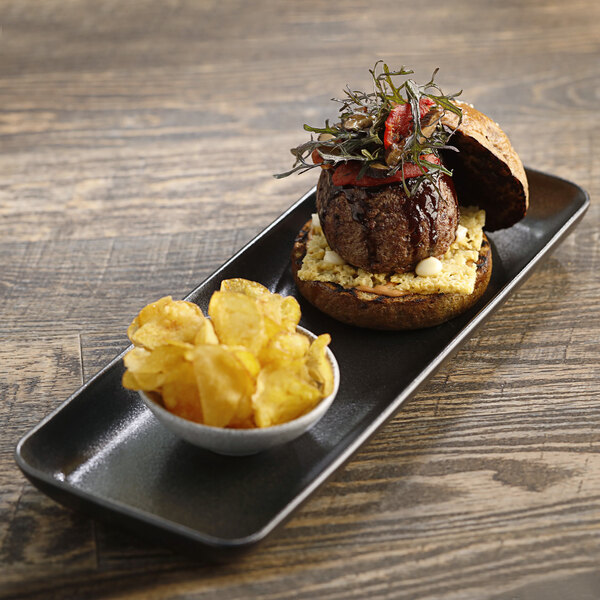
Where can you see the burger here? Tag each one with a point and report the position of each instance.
(410, 180)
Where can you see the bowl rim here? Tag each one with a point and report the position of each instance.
(301, 421)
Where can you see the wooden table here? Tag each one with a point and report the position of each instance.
(138, 143)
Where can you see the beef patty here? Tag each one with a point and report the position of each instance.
(381, 229)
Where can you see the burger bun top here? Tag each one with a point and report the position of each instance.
(487, 172)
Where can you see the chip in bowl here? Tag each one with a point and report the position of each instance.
(247, 365)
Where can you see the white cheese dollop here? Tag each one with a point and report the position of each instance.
(461, 233)
(333, 258)
(428, 266)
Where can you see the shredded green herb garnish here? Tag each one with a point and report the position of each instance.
(359, 134)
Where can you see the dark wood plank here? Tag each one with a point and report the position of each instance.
(138, 144)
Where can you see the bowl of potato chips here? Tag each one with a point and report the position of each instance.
(241, 380)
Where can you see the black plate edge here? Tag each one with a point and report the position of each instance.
(227, 548)
(448, 352)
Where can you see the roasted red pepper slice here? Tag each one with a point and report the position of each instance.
(399, 121)
(347, 173)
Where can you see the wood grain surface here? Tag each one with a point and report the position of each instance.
(137, 145)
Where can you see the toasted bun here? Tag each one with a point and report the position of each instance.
(487, 172)
(363, 309)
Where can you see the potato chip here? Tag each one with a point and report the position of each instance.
(319, 367)
(167, 321)
(237, 320)
(281, 310)
(206, 334)
(272, 329)
(244, 415)
(151, 369)
(130, 382)
(284, 311)
(162, 359)
(270, 306)
(247, 424)
(246, 366)
(290, 313)
(149, 382)
(180, 393)
(244, 286)
(284, 347)
(223, 382)
(137, 358)
(148, 313)
(282, 396)
(248, 359)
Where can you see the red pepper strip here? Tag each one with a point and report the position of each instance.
(347, 173)
(399, 121)
(316, 157)
(318, 160)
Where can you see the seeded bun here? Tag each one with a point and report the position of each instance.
(364, 309)
(486, 170)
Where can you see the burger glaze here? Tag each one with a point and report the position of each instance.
(381, 229)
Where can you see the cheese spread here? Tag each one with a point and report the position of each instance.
(457, 275)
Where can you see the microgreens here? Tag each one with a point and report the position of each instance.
(345, 141)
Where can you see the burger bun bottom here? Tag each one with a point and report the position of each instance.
(410, 311)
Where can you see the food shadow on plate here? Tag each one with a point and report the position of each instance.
(238, 495)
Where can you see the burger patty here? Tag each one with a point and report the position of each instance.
(381, 229)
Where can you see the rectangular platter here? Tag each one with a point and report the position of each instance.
(103, 452)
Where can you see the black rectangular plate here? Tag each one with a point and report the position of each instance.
(102, 451)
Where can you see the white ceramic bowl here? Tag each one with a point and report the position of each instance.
(242, 442)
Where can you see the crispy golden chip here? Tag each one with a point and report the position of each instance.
(290, 311)
(281, 310)
(180, 393)
(163, 359)
(223, 382)
(147, 376)
(237, 320)
(270, 306)
(319, 367)
(245, 367)
(244, 415)
(148, 313)
(137, 359)
(206, 334)
(244, 286)
(285, 347)
(282, 396)
(284, 312)
(279, 314)
(129, 381)
(272, 329)
(168, 321)
(149, 382)
(248, 359)
(151, 369)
